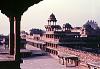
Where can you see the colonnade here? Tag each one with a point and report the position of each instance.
(68, 59)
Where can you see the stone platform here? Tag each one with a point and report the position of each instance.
(25, 53)
(8, 62)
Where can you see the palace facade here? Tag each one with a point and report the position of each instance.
(65, 36)
(58, 40)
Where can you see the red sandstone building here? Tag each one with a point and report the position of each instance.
(62, 41)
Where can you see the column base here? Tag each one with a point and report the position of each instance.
(9, 65)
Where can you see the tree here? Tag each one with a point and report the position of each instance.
(36, 31)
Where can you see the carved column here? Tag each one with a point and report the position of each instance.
(11, 36)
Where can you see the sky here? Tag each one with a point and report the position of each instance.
(75, 12)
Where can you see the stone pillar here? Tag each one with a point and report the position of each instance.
(76, 62)
(49, 23)
(11, 36)
(66, 61)
(62, 61)
(59, 59)
(17, 40)
(71, 61)
(55, 23)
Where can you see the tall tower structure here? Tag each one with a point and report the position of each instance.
(52, 26)
(52, 19)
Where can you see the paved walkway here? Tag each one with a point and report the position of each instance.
(44, 62)
(34, 50)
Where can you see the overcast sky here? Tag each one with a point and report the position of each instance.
(75, 12)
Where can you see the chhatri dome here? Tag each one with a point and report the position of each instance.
(52, 18)
(52, 26)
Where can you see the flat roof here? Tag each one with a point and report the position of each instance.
(95, 64)
(37, 41)
(68, 56)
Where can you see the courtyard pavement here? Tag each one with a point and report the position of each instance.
(44, 62)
